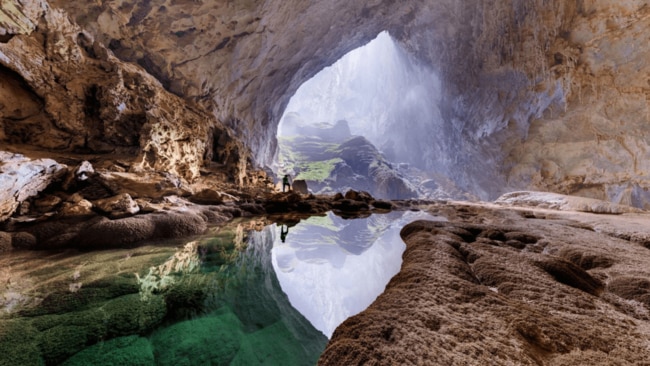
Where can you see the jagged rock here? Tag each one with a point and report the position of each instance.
(21, 178)
(47, 203)
(100, 104)
(81, 207)
(118, 206)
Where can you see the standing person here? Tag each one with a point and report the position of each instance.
(285, 182)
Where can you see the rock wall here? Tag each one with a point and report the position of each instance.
(540, 94)
(62, 90)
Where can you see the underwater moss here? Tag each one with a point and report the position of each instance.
(130, 314)
(60, 342)
(19, 344)
(131, 350)
(212, 340)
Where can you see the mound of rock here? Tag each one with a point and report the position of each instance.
(563, 202)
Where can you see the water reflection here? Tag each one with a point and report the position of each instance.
(332, 268)
(249, 293)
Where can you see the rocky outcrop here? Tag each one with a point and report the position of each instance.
(543, 292)
(534, 94)
(341, 164)
(63, 90)
(563, 202)
(22, 178)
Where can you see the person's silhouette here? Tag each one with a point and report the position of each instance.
(286, 183)
(283, 232)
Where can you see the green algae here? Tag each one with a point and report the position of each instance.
(229, 309)
(208, 340)
(19, 344)
(130, 350)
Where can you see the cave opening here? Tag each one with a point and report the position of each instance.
(363, 123)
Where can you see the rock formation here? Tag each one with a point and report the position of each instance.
(21, 178)
(332, 160)
(555, 289)
(535, 94)
(172, 100)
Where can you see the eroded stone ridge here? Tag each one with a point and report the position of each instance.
(474, 294)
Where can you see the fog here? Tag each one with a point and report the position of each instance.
(384, 94)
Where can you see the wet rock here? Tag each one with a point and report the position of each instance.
(348, 205)
(23, 240)
(118, 233)
(118, 206)
(5, 242)
(384, 205)
(124, 232)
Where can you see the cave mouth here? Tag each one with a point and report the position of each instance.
(361, 124)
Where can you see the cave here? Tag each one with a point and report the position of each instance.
(524, 123)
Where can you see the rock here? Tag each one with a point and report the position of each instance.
(119, 206)
(81, 207)
(118, 233)
(207, 197)
(144, 184)
(384, 205)
(456, 284)
(124, 232)
(5, 242)
(563, 202)
(23, 240)
(348, 205)
(47, 203)
(22, 178)
(300, 186)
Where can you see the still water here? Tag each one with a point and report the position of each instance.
(248, 293)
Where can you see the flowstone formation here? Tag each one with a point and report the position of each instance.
(552, 288)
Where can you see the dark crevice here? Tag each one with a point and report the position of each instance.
(5, 38)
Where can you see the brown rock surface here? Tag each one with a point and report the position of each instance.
(21, 178)
(567, 295)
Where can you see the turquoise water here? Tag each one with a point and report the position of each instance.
(228, 298)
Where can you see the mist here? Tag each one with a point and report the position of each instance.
(385, 96)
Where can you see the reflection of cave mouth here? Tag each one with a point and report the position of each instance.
(366, 123)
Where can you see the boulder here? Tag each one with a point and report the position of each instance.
(300, 186)
(23, 240)
(118, 206)
(81, 207)
(22, 178)
(5, 242)
(207, 197)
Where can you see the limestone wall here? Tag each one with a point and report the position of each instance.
(541, 94)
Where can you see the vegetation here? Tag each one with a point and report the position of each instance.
(317, 171)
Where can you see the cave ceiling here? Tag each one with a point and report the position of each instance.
(543, 94)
